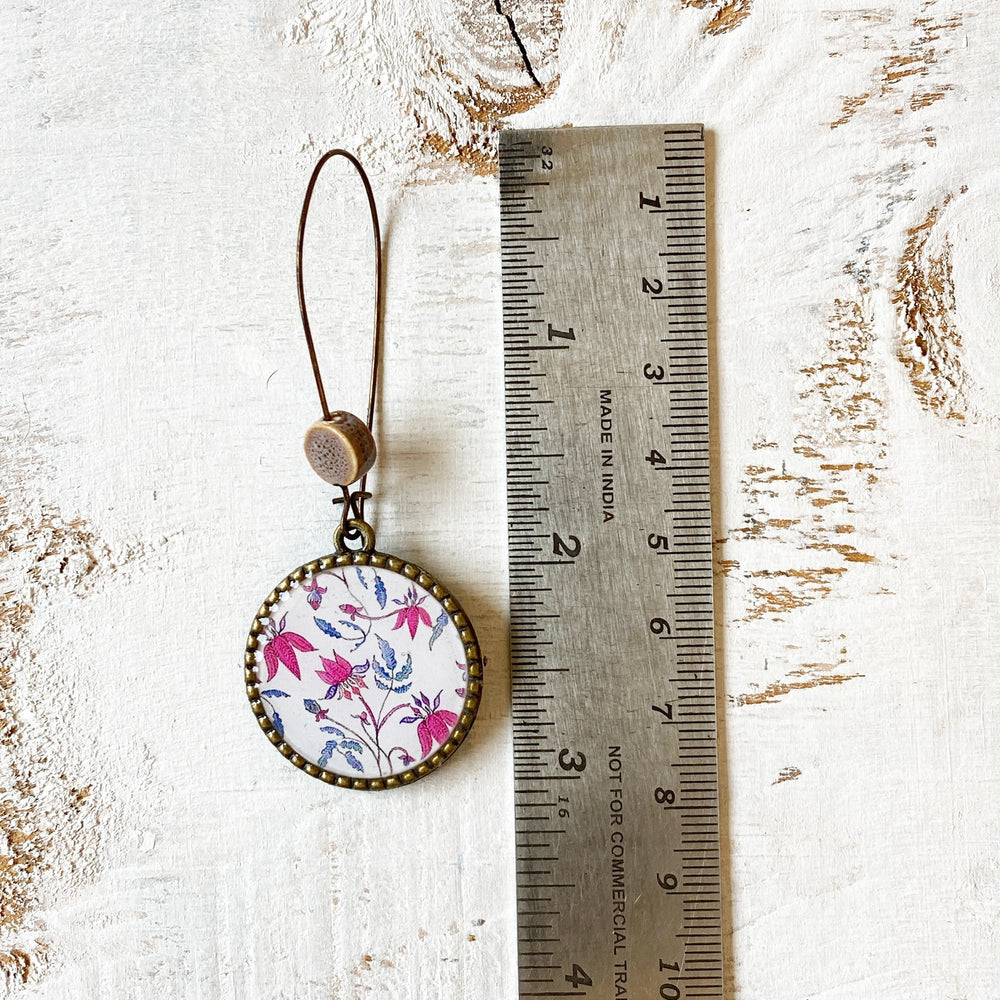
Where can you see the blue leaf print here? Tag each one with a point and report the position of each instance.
(379, 591)
(279, 726)
(403, 688)
(312, 706)
(411, 718)
(388, 653)
(327, 628)
(275, 693)
(351, 745)
(360, 639)
(353, 761)
(331, 729)
(439, 625)
(361, 577)
(324, 757)
(382, 676)
(405, 670)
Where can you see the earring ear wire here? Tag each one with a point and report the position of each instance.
(341, 447)
(361, 669)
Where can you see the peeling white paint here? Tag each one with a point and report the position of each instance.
(156, 389)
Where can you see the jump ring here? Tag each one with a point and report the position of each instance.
(357, 529)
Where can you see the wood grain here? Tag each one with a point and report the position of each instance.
(446, 75)
(155, 390)
(49, 819)
(908, 76)
(931, 346)
(726, 14)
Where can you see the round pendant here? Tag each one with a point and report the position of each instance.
(363, 670)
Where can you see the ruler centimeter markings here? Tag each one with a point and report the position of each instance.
(603, 243)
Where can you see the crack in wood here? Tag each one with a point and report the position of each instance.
(436, 82)
(518, 42)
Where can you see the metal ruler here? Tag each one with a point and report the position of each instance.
(612, 639)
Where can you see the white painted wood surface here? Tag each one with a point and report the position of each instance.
(154, 393)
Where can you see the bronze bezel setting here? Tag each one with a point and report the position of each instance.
(473, 660)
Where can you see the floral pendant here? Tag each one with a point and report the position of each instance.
(363, 670)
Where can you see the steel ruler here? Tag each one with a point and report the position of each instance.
(610, 541)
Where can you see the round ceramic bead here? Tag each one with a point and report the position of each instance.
(340, 450)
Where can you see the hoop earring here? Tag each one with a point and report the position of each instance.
(361, 669)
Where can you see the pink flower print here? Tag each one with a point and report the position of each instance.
(317, 709)
(435, 723)
(281, 648)
(434, 730)
(411, 613)
(344, 678)
(315, 592)
(334, 671)
(350, 609)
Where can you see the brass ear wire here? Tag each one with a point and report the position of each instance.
(354, 502)
(295, 630)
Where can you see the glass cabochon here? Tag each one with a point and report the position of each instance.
(365, 673)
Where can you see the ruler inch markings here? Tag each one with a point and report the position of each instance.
(615, 799)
